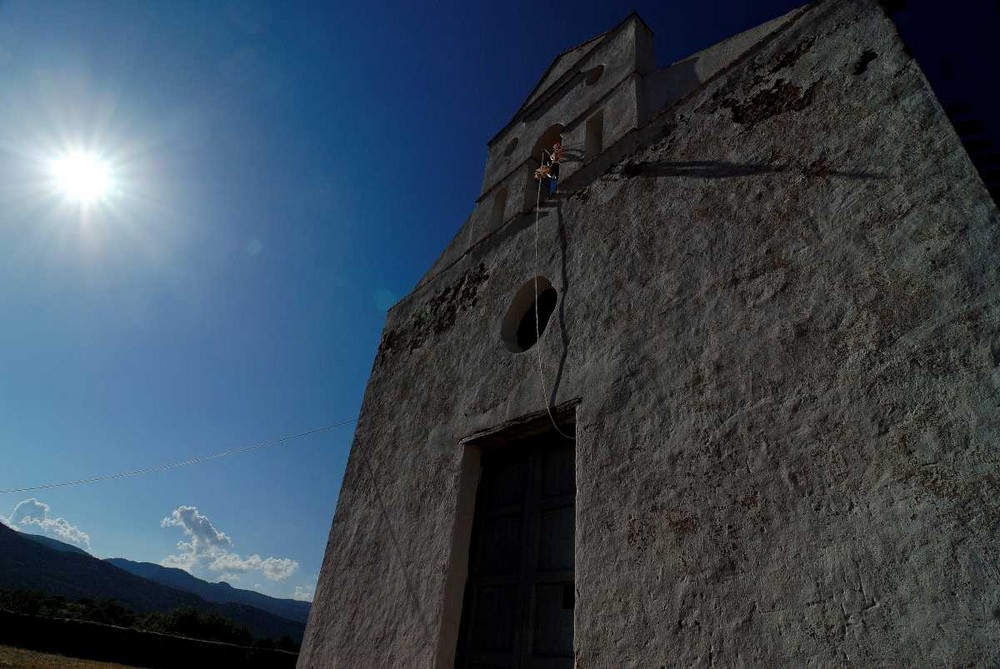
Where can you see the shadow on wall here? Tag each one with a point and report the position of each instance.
(717, 169)
(564, 279)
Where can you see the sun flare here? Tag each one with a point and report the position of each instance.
(83, 177)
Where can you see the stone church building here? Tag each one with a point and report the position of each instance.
(725, 393)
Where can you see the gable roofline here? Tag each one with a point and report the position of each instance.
(593, 41)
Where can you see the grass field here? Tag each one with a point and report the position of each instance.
(18, 658)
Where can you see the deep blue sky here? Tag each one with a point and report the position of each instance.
(288, 171)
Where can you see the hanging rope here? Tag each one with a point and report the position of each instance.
(544, 172)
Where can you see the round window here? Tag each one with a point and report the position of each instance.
(528, 314)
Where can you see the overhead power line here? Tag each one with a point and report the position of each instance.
(182, 463)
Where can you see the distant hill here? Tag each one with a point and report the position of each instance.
(54, 544)
(28, 564)
(214, 592)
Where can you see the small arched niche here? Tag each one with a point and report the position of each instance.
(542, 147)
(520, 329)
(592, 75)
(499, 208)
(594, 141)
(511, 145)
(545, 141)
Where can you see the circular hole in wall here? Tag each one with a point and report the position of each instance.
(511, 145)
(520, 331)
(593, 74)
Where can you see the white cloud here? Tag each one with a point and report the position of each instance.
(31, 515)
(185, 561)
(274, 569)
(208, 546)
(204, 538)
(278, 569)
(233, 562)
(304, 593)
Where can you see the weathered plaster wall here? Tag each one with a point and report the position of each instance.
(624, 52)
(621, 114)
(780, 316)
(568, 101)
(668, 85)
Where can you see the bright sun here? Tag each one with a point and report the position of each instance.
(83, 177)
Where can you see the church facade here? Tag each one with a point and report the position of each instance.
(724, 393)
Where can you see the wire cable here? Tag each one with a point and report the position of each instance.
(182, 463)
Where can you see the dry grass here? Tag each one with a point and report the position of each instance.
(18, 658)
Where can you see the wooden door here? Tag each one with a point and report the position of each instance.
(519, 596)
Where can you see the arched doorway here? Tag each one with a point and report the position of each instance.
(543, 147)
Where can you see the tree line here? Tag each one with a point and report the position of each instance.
(181, 621)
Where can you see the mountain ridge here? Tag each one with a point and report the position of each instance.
(29, 564)
(54, 544)
(220, 592)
